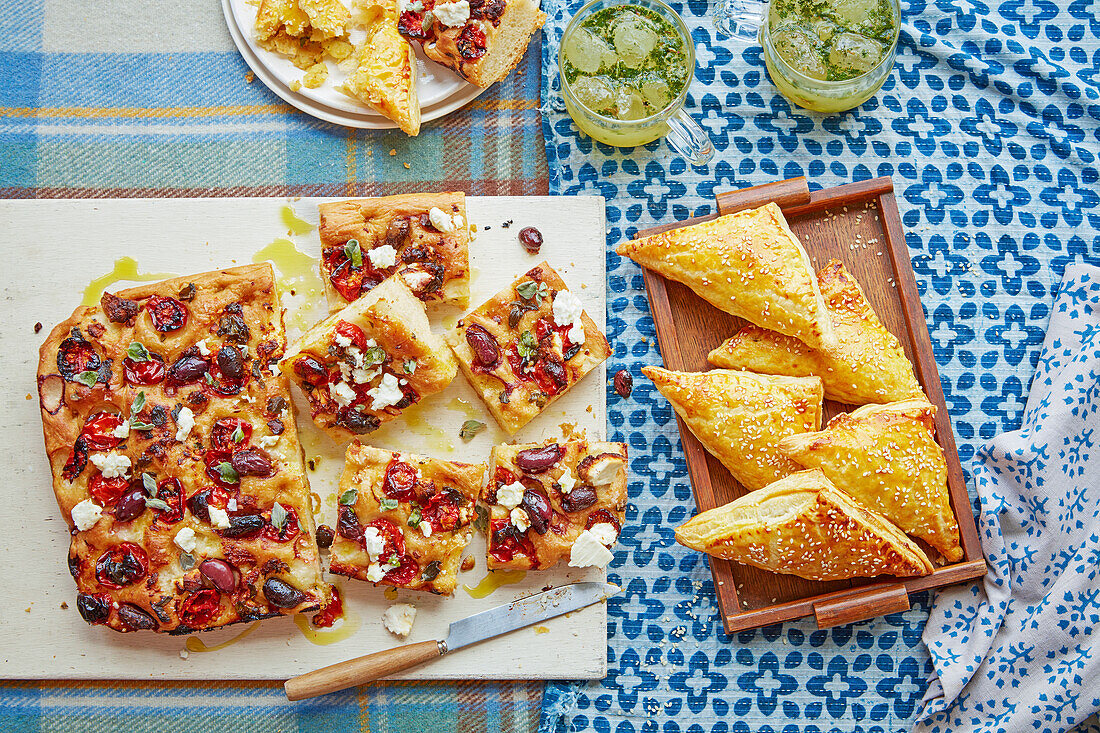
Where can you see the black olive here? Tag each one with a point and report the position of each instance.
(134, 618)
(93, 609)
(243, 525)
(282, 594)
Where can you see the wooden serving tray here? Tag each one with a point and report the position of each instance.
(859, 224)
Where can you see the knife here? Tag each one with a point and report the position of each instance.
(470, 630)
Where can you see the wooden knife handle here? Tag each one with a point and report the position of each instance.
(357, 671)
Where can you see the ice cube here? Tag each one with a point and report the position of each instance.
(629, 105)
(802, 50)
(587, 51)
(855, 54)
(592, 92)
(853, 12)
(656, 92)
(635, 38)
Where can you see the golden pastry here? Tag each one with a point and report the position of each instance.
(802, 525)
(385, 67)
(740, 417)
(749, 264)
(887, 458)
(867, 364)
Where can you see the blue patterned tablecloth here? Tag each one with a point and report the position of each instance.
(989, 127)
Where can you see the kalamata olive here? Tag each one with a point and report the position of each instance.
(230, 361)
(531, 239)
(220, 574)
(131, 505)
(415, 254)
(624, 383)
(325, 536)
(187, 369)
(282, 594)
(243, 525)
(539, 510)
(251, 462)
(581, 497)
(311, 370)
(276, 427)
(397, 232)
(359, 422)
(537, 460)
(555, 370)
(199, 504)
(122, 565)
(348, 524)
(93, 608)
(134, 618)
(275, 405)
(485, 348)
(232, 325)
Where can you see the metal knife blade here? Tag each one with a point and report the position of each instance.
(526, 611)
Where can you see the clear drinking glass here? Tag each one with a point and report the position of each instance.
(748, 19)
(681, 132)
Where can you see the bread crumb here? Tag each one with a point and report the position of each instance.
(393, 151)
(406, 166)
(541, 630)
(315, 76)
(29, 396)
(184, 654)
(295, 85)
(64, 606)
(249, 78)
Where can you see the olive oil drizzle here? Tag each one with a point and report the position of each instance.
(126, 268)
(195, 644)
(494, 580)
(294, 224)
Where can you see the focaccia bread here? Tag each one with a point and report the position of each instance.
(423, 236)
(867, 365)
(385, 72)
(362, 366)
(480, 40)
(175, 456)
(749, 264)
(803, 525)
(404, 520)
(740, 417)
(887, 458)
(526, 346)
(555, 500)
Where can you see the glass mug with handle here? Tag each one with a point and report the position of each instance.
(625, 68)
(824, 55)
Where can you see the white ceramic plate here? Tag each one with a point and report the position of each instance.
(441, 91)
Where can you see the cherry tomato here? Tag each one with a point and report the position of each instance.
(121, 566)
(200, 608)
(167, 314)
(98, 431)
(404, 573)
(170, 491)
(143, 373)
(290, 529)
(221, 435)
(400, 481)
(353, 333)
(107, 491)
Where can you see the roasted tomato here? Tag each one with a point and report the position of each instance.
(506, 542)
(214, 458)
(411, 25)
(311, 370)
(404, 573)
(549, 375)
(400, 481)
(221, 435)
(200, 608)
(107, 491)
(121, 566)
(334, 610)
(395, 541)
(471, 42)
(353, 333)
(289, 531)
(602, 516)
(78, 459)
(75, 356)
(94, 608)
(144, 373)
(200, 502)
(170, 491)
(443, 511)
(167, 314)
(98, 431)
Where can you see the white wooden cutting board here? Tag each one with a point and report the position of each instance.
(53, 249)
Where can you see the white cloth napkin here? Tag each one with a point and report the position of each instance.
(1016, 652)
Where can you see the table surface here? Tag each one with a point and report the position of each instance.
(988, 125)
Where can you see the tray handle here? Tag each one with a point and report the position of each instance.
(786, 194)
(877, 601)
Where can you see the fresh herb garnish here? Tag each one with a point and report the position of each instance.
(150, 483)
(481, 520)
(429, 18)
(139, 403)
(410, 366)
(227, 473)
(208, 377)
(387, 504)
(238, 435)
(354, 253)
(187, 560)
(374, 355)
(88, 379)
(349, 497)
(138, 352)
(392, 563)
(470, 428)
(414, 517)
(157, 504)
(527, 345)
(278, 517)
(529, 289)
(139, 425)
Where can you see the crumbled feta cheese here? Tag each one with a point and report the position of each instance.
(605, 533)
(218, 517)
(382, 257)
(111, 465)
(567, 312)
(231, 505)
(342, 393)
(567, 482)
(587, 551)
(373, 542)
(86, 514)
(388, 392)
(398, 619)
(453, 14)
(247, 398)
(576, 333)
(185, 420)
(185, 539)
(342, 340)
(425, 527)
(363, 376)
(266, 441)
(603, 471)
(441, 220)
(520, 520)
(204, 349)
(375, 573)
(510, 495)
(123, 430)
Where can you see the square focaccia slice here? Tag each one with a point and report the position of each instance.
(553, 501)
(362, 366)
(527, 346)
(175, 457)
(424, 237)
(404, 520)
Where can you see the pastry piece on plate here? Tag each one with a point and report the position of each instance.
(385, 70)
(527, 346)
(480, 40)
(887, 458)
(305, 30)
(867, 364)
(424, 237)
(175, 457)
(362, 366)
(749, 264)
(740, 417)
(404, 520)
(554, 501)
(803, 525)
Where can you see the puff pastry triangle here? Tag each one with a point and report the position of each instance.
(866, 365)
(887, 458)
(803, 525)
(740, 417)
(749, 264)
(385, 72)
